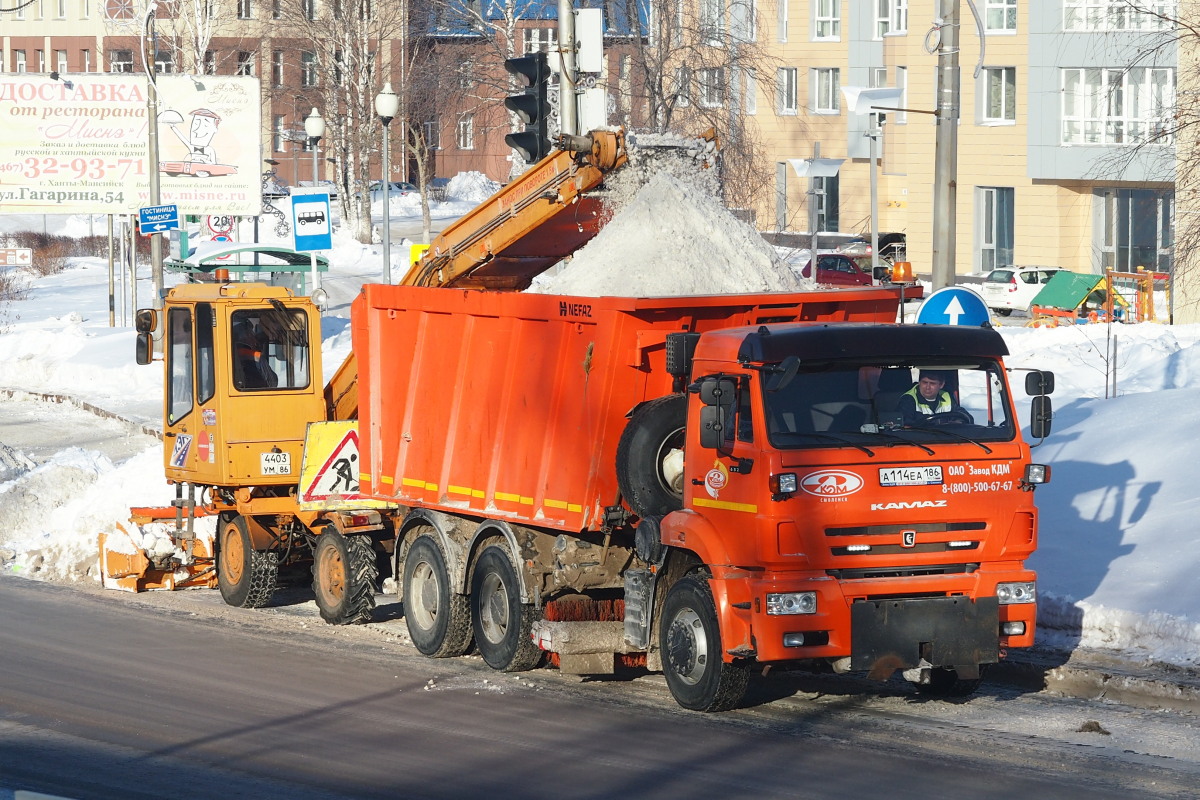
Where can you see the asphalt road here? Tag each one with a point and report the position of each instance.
(106, 695)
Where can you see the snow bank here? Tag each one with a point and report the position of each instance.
(473, 187)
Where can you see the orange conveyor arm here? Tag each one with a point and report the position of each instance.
(529, 225)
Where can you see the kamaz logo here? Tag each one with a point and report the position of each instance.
(904, 505)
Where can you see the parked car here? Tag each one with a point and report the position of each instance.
(839, 269)
(1009, 289)
(397, 189)
(439, 189)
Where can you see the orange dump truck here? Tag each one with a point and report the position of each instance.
(702, 483)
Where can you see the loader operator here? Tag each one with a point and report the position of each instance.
(251, 369)
(927, 398)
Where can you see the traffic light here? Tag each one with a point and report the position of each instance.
(532, 106)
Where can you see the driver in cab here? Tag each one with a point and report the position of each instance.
(926, 398)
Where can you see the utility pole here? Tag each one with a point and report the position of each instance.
(149, 53)
(945, 174)
(566, 74)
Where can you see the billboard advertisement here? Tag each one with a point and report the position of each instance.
(81, 144)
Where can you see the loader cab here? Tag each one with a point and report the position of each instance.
(243, 379)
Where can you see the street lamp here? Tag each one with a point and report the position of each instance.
(871, 102)
(813, 168)
(314, 127)
(150, 64)
(386, 106)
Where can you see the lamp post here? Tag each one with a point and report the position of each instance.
(314, 128)
(386, 106)
(149, 56)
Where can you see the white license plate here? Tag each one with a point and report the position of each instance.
(910, 476)
(275, 463)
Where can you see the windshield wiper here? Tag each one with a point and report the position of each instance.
(837, 439)
(891, 435)
(954, 435)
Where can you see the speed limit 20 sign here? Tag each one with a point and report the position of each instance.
(222, 223)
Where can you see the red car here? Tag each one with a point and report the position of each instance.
(838, 269)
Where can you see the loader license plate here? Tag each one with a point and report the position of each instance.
(910, 476)
(275, 463)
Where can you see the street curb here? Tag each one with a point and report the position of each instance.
(1090, 675)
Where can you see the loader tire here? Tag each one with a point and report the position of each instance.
(503, 625)
(654, 430)
(344, 577)
(438, 619)
(245, 576)
(690, 642)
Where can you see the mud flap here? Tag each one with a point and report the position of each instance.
(946, 631)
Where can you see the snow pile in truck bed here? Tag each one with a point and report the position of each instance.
(672, 239)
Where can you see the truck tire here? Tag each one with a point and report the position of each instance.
(344, 576)
(438, 620)
(654, 430)
(245, 576)
(690, 643)
(502, 624)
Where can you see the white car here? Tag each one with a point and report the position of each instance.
(1013, 288)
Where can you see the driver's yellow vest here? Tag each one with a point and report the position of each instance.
(944, 403)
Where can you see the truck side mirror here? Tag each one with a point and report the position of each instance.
(712, 427)
(718, 392)
(145, 321)
(784, 374)
(1041, 414)
(1039, 382)
(144, 350)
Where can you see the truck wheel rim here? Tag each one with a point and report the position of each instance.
(425, 597)
(687, 647)
(234, 555)
(493, 608)
(670, 443)
(333, 574)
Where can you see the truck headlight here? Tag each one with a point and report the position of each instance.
(1037, 473)
(1010, 593)
(792, 603)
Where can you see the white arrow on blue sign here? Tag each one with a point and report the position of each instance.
(953, 305)
(156, 219)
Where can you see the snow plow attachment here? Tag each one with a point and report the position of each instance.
(152, 555)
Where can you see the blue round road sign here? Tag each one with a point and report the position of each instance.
(953, 305)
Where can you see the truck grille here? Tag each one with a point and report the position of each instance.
(894, 530)
(901, 572)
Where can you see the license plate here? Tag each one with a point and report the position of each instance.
(275, 463)
(910, 476)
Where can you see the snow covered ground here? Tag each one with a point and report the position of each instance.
(1119, 547)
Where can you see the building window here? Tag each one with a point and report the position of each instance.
(85, 9)
(883, 18)
(828, 21)
(19, 64)
(277, 68)
(309, 9)
(539, 40)
(683, 87)
(308, 69)
(1135, 229)
(902, 84)
(996, 227)
(825, 96)
(750, 91)
(828, 203)
(60, 61)
(1000, 95)
(782, 23)
(210, 63)
(1107, 15)
(245, 63)
(60, 9)
(466, 74)
(85, 58)
(711, 84)
(744, 20)
(276, 9)
(245, 9)
(787, 93)
(466, 133)
(899, 16)
(712, 21)
(278, 133)
(41, 59)
(119, 61)
(1106, 106)
(1000, 15)
(433, 134)
(680, 21)
(164, 62)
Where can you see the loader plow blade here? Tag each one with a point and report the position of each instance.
(126, 566)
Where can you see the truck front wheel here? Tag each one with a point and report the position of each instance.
(438, 620)
(245, 576)
(502, 624)
(344, 575)
(690, 642)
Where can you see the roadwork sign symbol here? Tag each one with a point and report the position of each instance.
(329, 474)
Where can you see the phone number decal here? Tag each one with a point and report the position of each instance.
(977, 486)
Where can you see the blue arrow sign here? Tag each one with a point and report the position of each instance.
(953, 305)
(156, 219)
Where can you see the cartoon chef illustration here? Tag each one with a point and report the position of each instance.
(200, 134)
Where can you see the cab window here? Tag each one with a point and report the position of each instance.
(206, 373)
(180, 388)
(270, 349)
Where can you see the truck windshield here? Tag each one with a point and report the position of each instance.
(880, 403)
(270, 349)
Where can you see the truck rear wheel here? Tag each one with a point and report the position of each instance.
(653, 432)
(690, 643)
(344, 575)
(245, 576)
(438, 620)
(502, 624)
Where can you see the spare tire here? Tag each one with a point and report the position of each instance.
(654, 431)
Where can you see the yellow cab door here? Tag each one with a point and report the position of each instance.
(190, 385)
